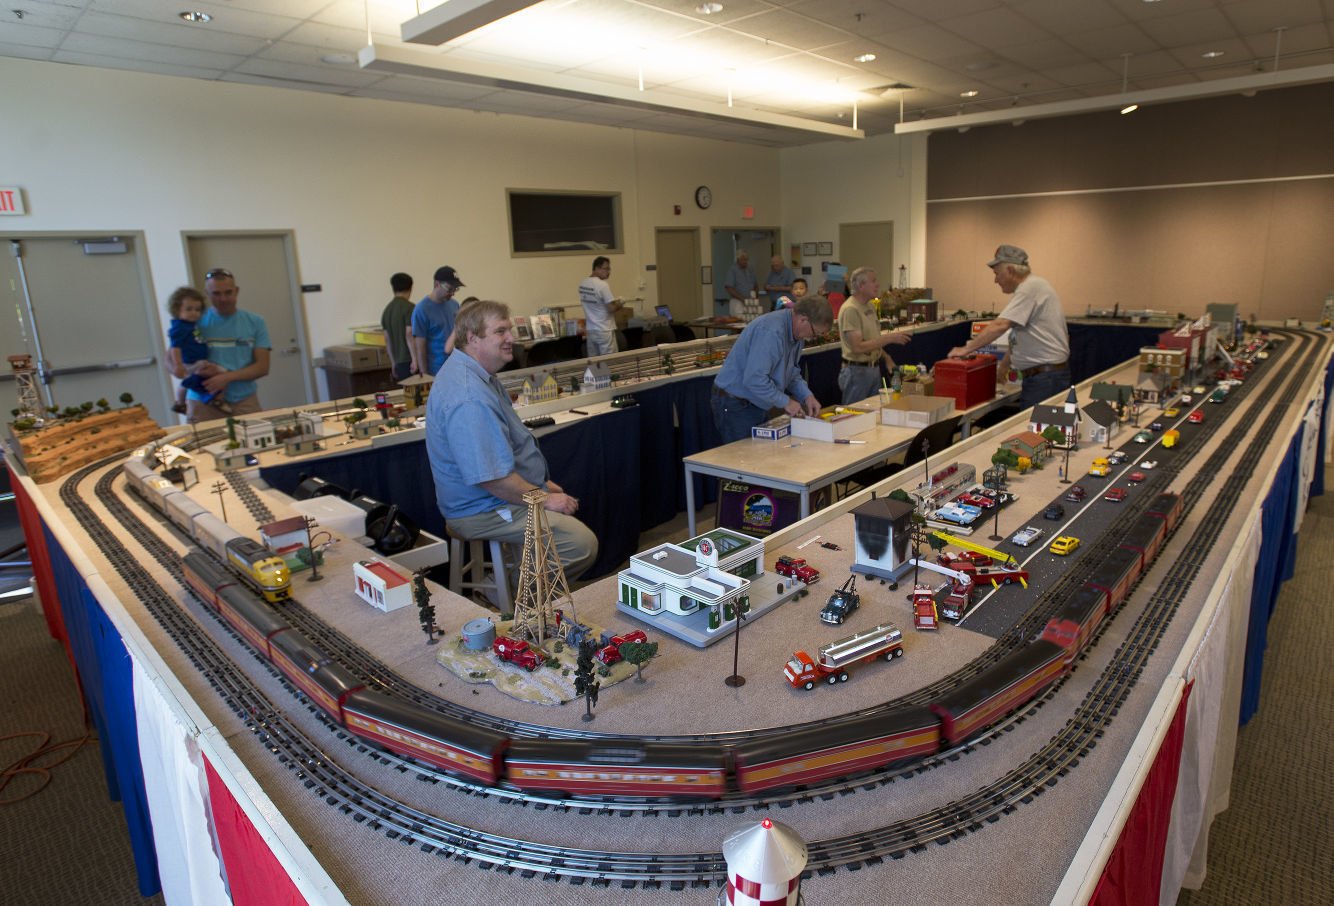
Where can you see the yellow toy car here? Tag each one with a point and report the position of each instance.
(1066, 544)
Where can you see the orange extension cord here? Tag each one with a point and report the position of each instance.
(27, 764)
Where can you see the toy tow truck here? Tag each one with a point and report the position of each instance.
(841, 603)
(831, 662)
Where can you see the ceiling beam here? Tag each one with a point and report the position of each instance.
(1216, 88)
(405, 61)
(455, 18)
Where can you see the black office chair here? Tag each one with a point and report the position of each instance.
(930, 441)
(681, 333)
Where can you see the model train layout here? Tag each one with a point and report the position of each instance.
(798, 757)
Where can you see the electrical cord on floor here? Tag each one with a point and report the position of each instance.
(27, 764)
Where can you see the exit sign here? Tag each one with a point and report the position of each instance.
(11, 200)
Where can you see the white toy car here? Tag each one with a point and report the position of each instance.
(1026, 536)
(1149, 464)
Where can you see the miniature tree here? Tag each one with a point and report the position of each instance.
(421, 595)
(584, 683)
(104, 405)
(639, 654)
(1054, 435)
(231, 432)
(127, 399)
(85, 408)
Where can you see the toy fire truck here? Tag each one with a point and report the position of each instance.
(831, 662)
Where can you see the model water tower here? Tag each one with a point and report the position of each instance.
(764, 866)
(25, 377)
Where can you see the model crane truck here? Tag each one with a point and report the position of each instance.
(832, 661)
(841, 603)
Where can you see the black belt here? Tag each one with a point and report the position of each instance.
(718, 391)
(1043, 369)
(860, 364)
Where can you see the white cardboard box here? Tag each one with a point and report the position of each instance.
(912, 411)
(836, 423)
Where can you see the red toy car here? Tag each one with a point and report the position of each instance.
(1135, 477)
(1116, 495)
(976, 500)
(611, 652)
(517, 652)
(1196, 417)
(1075, 494)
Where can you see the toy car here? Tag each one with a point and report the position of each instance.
(1054, 511)
(1026, 536)
(1136, 477)
(1116, 457)
(1143, 437)
(1199, 388)
(1149, 464)
(1115, 495)
(960, 513)
(976, 500)
(1173, 412)
(1076, 493)
(1156, 427)
(1066, 544)
(1196, 417)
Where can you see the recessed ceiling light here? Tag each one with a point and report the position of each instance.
(1130, 108)
(970, 93)
(1212, 54)
(864, 58)
(196, 16)
(708, 9)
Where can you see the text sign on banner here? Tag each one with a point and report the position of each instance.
(11, 200)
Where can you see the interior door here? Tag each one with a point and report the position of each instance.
(676, 252)
(761, 245)
(93, 318)
(266, 277)
(869, 245)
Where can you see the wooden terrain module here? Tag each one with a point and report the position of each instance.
(63, 445)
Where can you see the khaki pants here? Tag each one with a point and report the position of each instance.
(199, 411)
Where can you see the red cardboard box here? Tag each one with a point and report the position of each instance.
(970, 381)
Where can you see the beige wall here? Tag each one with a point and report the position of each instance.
(369, 187)
(1224, 200)
(881, 178)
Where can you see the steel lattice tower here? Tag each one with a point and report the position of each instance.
(541, 580)
(25, 376)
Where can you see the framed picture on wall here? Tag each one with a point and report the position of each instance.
(826, 248)
(808, 248)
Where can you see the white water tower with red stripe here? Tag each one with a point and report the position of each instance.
(764, 866)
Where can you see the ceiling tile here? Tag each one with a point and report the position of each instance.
(1255, 18)
(1183, 28)
(996, 28)
(26, 35)
(226, 18)
(1110, 43)
(927, 42)
(1062, 16)
(42, 14)
(155, 53)
(338, 78)
(140, 65)
(176, 34)
(26, 52)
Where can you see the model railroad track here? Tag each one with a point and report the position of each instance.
(434, 835)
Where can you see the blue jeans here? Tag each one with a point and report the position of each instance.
(859, 382)
(1039, 387)
(734, 417)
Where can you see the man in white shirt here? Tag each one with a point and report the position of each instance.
(599, 308)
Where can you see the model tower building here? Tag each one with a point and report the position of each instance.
(541, 580)
(25, 376)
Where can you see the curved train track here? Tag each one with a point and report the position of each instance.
(434, 834)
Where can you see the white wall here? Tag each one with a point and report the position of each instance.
(370, 187)
(881, 178)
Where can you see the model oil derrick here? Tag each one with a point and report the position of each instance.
(25, 376)
(541, 580)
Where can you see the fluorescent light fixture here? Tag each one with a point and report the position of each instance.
(708, 9)
(1212, 54)
(195, 16)
(424, 64)
(458, 17)
(864, 58)
(1308, 75)
(970, 93)
(1129, 108)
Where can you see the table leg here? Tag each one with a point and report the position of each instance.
(690, 499)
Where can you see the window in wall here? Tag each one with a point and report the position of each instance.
(564, 223)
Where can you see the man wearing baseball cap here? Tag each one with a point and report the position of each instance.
(1040, 343)
(433, 320)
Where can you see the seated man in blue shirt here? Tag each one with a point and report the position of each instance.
(483, 458)
(762, 371)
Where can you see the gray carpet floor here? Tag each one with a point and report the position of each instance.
(64, 842)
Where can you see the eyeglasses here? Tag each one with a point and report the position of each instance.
(219, 272)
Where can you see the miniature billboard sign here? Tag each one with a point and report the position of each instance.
(757, 511)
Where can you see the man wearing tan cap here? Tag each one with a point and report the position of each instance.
(1040, 343)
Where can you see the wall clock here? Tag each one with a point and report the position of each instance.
(704, 196)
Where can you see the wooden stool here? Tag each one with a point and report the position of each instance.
(476, 565)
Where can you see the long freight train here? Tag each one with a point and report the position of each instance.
(633, 767)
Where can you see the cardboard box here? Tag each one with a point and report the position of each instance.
(916, 411)
(773, 429)
(335, 514)
(368, 336)
(970, 381)
(834, 423)
(351, 357)
(923, 385)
